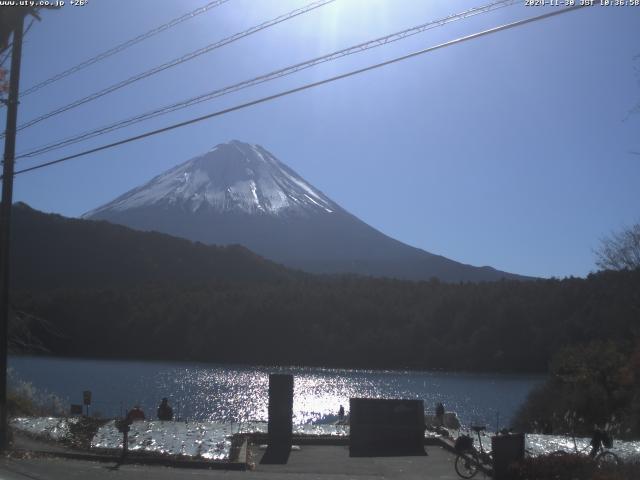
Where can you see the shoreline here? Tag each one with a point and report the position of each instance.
(280, 367)
(227, 443)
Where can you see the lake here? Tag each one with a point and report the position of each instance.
(233, 393)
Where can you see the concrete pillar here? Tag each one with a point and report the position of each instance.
(280, 418)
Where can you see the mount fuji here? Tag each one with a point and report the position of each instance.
(239, 193)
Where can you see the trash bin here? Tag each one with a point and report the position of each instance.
(380, 427)
(507, 449)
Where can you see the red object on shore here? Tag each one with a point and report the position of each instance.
(135, 414)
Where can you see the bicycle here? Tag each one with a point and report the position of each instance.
(470, 460)
(600, 444)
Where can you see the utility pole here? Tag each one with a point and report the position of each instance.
(5, 220)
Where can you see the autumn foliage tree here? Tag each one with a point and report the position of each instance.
(591, 385)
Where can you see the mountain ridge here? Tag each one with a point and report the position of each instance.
(238, 193)
(50, 251)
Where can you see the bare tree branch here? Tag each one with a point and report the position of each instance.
(620, 250)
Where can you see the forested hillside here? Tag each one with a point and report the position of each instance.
(104, 290)
(347, 321)
(51, 251)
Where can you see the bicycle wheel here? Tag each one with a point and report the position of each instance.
(608, 458)
(467, 464)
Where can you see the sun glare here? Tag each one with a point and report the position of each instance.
(353, 16)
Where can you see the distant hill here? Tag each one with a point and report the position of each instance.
(91, 288)
(88, 288)
(53, 251)
(239, 193)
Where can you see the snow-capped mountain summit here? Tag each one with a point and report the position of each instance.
(239, 193)
(234, 176)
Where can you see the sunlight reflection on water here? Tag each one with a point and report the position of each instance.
(209, 440)
(233, 394)
(212, 440)
(241, 394)
(196, 439)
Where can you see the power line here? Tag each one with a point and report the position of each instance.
(123, 46)
(177, 61)
(304, 87)
(380, 41)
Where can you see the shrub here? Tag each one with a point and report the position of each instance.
(25, 400)
(572, 467)
(19, 405)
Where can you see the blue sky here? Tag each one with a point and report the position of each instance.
(512, 150)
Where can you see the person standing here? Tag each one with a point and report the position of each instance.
(440, 414)
(165, 412)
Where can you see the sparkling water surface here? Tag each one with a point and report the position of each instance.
(212, 440)
(238, 394)
(213, 402)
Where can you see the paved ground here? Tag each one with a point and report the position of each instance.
(311, 462)
(24, 442)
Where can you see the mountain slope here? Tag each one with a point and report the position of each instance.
(241, 194)
(50, 251)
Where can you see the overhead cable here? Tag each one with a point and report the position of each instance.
(123, 46)
(303, 87)
(377, 42)
(176, 61)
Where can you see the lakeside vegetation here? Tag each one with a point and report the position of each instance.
(594, 383)
(597, 384)
(100, 290)
(24, 399)
(572, 467)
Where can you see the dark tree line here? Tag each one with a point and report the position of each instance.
(93, 288)
(342, 321)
